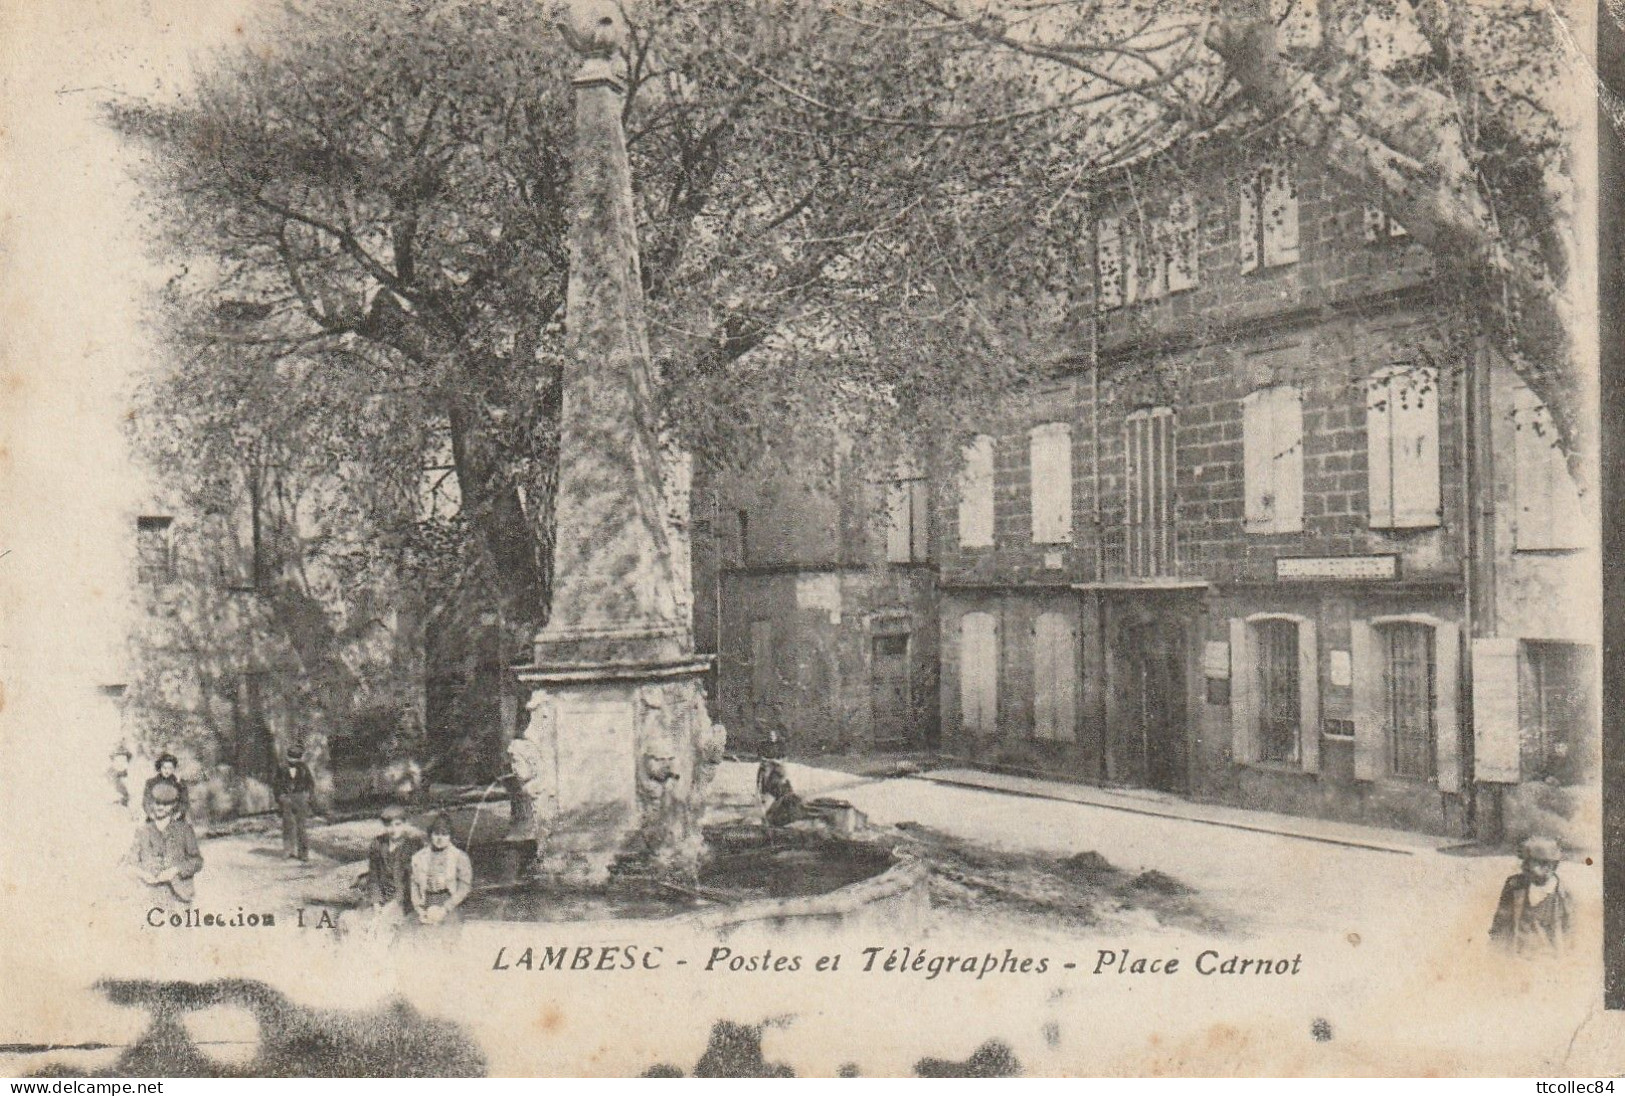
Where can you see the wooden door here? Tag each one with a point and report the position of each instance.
(891, 706)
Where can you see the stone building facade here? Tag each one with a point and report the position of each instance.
(1255, 539)
(816, 592)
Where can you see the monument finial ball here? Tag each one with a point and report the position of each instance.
(593, 28)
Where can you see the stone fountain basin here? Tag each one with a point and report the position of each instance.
(773, 878)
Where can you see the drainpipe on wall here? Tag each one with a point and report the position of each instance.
(1478, 557)
(1100, 538)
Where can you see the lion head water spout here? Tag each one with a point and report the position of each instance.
(619, 748)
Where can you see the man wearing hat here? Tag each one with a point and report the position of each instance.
(166, 855)
(389, 866)
(166, 766)
(294, 786)
(1534, 914)
(442, 875)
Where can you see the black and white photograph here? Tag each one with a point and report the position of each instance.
(807, 538)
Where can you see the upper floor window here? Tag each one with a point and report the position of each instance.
(1402, 448)
(1269, 216)
(1380, 226)
(1548, 512)
(907, 525)
(1149, 490)
(155, 548)
(1050, 446)
(1272, 449)
(976, 494)
(1143, 258)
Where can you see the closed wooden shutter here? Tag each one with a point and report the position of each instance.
(976, 495)
(1309, 695)
(1272, 453)
(1370, 698)
(1109, 261)
(1247, 230)
(1257, 443)
(899, 523)
(1414, 412)
(1183, 243)
(1446, 720)
(1054, 678)
(1243, 690)
(978, 673)
(1050, 446)
(1287, 477)
(1495, 711)
(1379, 439)
(1278, 197)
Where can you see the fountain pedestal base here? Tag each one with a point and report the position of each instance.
(615, 759)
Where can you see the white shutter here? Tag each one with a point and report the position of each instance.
(1054, 670)
(1279, 214)
(1109, 261)
(976, 494)
(1143, 259)
(1379, 438)
(1370, 701)
(919, 519)
(1257, 440)
(1414, 414)
(1183, 244)
(1446, 721)
(1309, 696)
(1495, 711)
(1287, 476)
(1050, 447)
(899, 523)
(1247, 230)
(1243, 693)
(978, 673)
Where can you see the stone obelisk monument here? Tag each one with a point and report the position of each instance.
(619, 746)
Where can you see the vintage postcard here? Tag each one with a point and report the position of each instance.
(819, 538)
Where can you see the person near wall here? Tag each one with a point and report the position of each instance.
(294, 787)
(165, 854)
(1534, 915)
(442, 876)
(166, 776)
(389, 867)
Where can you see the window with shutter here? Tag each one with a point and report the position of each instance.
(1050, 449)
(976, 494)
(1272, 454)
(906, 539)
(1406, 672)
(1549, 515)
(1275, 691)
(1144, 260)
(1269, 216)
(1402, 443)
(1182, 243)
(1055, 663)
(1149, 490)
(978, 673)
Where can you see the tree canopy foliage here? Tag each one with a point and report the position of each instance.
(863, 213)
